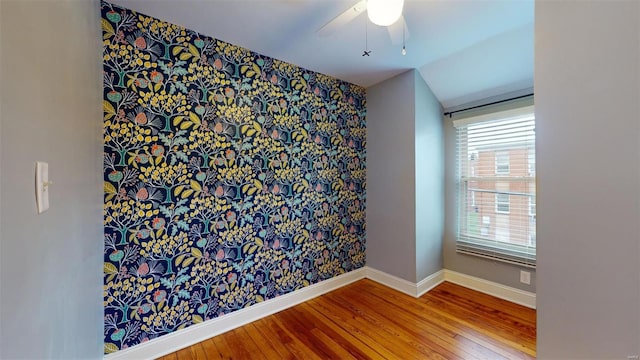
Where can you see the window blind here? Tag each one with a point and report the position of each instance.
(497, 187)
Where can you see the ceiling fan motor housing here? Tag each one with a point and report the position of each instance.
(384, 12)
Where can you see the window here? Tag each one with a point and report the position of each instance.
(502, 203)
(502, 162)
(496, 186)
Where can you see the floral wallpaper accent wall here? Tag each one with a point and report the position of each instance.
(230, 177)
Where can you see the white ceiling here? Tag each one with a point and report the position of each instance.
(465, 49)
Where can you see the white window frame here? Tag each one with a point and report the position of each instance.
(502, 160)
(516, 251)
(498, 203)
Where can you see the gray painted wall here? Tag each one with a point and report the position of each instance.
(495, 271)
(587, 84)
(429, 172)
(404, 178)
(391, 217)
(50, 110)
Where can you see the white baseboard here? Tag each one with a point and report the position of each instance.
(193, 334)
(391, 281)
(508, 293)
(402, 285)
(429, 283)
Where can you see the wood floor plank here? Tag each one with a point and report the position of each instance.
(488, 331)
(220, 342)
(488, 325)
(238, 347)
(369, 346)
(513, 309)
(367, 330)
(308, 334)
(414, 327)
(339, 351)
(197, 352)
(478, 350)
(293, 344)
(429, 346)
(263, 326)
(343, 338)
(427, 312)
(498, 318)
(210, 349)
(185, 354)
(243, 339)
(303, 335)
(366, 320)
(171, 356)
(262, 341)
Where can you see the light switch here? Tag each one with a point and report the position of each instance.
(42, 186)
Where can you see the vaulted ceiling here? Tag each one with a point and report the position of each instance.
(466, 50)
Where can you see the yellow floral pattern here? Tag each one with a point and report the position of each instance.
(230, 177)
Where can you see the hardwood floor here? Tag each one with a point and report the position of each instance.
(366, 320)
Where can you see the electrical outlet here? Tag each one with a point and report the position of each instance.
(525, 277)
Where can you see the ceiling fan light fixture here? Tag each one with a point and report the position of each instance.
(384, 12)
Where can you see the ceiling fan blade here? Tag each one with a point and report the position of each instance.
(395, 31)
(343, 19)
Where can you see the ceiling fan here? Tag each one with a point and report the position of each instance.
(397, 30)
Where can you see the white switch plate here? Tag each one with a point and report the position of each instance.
(525, 277)
(42, 186)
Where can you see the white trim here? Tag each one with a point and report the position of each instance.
(429, 283)
(391, 281)
(498, 203)
(404, 286)
(508, 293)
(193, 334)
(499, 162)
